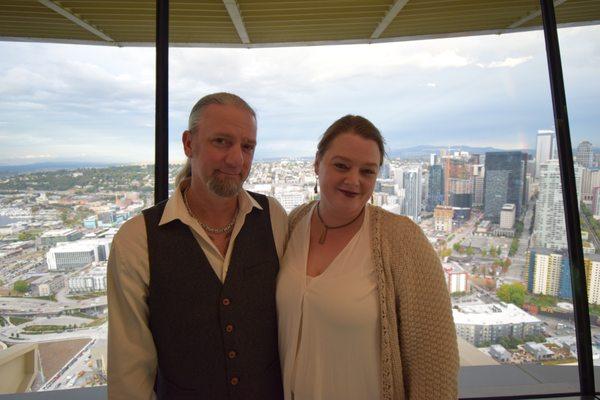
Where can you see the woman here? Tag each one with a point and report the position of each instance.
(364, 312)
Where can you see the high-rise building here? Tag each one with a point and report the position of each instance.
(585, 155)
(596, 201)
(590, 180)
(443, 217)
(436, 187)
(477, 184)
(504, 182)
(455, 169)
(544, 148)
(549, 227)
(548, 272)
(385, 170)
(592, 275)
(507, 216)
(412, 193)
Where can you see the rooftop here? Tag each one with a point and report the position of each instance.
(491, 314)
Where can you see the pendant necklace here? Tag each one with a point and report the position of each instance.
(328, 227)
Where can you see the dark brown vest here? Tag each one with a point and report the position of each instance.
(214, 340)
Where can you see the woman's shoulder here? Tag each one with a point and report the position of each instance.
(391, 221)
(297, 213)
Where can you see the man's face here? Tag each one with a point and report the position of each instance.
(221, 149)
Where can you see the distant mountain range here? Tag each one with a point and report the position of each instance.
(413, 152)
(7, 170)
(426, 150)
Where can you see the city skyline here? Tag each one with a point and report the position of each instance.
(97, 103)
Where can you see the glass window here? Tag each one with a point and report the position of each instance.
(76, 162)
(471, 158)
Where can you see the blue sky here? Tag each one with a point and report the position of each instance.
(75, 102)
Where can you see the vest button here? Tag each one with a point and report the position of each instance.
(231, 354)
(226, 301)
(234, 381)
(229, 328)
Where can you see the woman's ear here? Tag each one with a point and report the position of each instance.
(317, 162)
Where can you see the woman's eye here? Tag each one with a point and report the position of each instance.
(340, 166)
(368, 172)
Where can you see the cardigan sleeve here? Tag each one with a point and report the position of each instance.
(426, 331)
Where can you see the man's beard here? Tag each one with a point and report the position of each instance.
(225, 187)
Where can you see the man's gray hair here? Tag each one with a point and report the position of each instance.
(222, 98)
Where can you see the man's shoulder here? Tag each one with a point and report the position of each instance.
(132, 231)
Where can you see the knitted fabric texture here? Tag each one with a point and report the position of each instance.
(419, 353)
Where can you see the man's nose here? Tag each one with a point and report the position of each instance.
(235, 156)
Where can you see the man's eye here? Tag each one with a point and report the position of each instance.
(220, 141)
(249, 147)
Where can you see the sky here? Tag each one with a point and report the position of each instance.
(96, 103)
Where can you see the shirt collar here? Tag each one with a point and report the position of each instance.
(176, 209)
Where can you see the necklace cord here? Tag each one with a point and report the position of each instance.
(327, 227)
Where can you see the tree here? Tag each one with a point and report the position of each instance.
(514, 247)
(21, 286)
(470, 251)
(512, 293)
(493, 252)
(445, 253)
(26, 236)
(483, 252)
(456, 247)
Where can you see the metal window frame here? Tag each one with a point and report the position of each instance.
(565, 155)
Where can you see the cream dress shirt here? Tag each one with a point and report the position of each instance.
(329, 329)
(131, 353)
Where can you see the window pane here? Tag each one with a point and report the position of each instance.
(469, 130)
(76, 154)
(582, 96)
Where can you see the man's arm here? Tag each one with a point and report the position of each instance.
(279, 224)
(131, 352)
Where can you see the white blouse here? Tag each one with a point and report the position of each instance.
(329, 331)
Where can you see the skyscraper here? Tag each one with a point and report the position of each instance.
(503, 183)
(544, 149)
(412, 193)
(436, 187)
(549, 228)
(585, 155)
(477, 184)
(547, 272)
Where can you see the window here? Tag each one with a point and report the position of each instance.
(76, 161)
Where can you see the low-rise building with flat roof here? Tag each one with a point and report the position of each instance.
(488, 323)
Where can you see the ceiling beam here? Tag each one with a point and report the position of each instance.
(388, 18)
(79, 21)
(532, 15)
(236, 17)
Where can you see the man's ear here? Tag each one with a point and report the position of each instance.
(186, 139)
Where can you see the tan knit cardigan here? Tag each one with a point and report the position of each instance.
(419, 354)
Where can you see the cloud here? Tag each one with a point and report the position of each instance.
(509, 62)
(66, 100)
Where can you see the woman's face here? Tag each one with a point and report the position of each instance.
(347, 173)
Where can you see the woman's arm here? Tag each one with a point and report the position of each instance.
(427, 336)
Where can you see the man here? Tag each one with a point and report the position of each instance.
(191, 282)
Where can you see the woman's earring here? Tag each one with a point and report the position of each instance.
(316, 183)
(316, 191)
